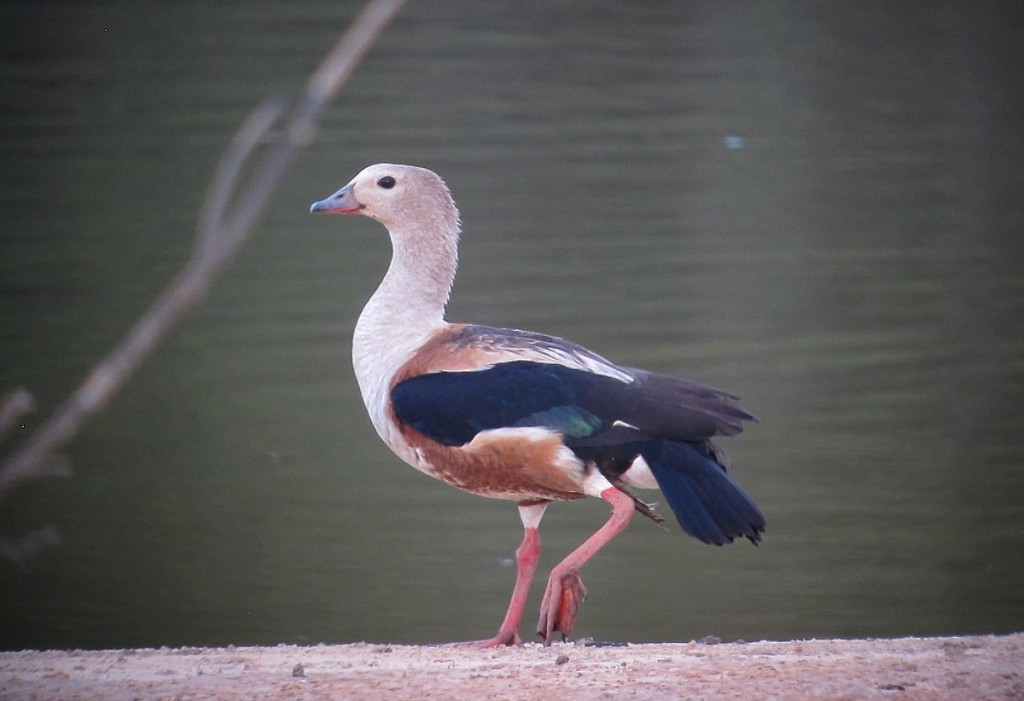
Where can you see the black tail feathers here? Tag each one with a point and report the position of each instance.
(708, 504)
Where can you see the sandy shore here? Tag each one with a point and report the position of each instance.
(990, 667)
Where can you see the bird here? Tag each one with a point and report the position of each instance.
(525, 416)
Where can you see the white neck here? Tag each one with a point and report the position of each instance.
(407, 307)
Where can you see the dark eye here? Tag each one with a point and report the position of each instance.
(387, 182)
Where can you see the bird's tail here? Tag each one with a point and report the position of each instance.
(708, 504)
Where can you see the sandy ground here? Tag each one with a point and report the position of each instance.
(908, 668)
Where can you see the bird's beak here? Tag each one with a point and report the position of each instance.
(341, 202)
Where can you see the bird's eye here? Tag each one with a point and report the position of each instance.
(387, 182)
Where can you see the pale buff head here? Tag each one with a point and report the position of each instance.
(402, 198)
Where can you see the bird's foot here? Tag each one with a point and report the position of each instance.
(503, 638)
(561, 603)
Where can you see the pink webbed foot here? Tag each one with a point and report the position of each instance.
(565, 589)
(503, 638)
(561, 604)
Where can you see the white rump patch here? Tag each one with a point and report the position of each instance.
(595, 484)
(639, 475)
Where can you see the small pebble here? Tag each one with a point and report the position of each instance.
(298, 671)
(561, 659)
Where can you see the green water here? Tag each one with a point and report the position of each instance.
(815, 206)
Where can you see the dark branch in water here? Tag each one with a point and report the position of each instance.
(220, 234)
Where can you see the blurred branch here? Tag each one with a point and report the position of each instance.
(13, 407)
(220, 234)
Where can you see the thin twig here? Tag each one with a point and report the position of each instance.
(226, 178)
(219, 236)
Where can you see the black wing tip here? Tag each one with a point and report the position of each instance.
(708, 504)
(753, 533)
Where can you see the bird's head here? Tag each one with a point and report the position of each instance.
(398, 196)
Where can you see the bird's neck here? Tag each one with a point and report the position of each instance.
(408, 306)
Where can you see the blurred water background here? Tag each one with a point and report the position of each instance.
(815, 205)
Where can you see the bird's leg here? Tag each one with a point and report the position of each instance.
(565, 589)
(527, 555)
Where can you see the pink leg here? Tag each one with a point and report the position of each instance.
(527, 555)
(565, 589)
